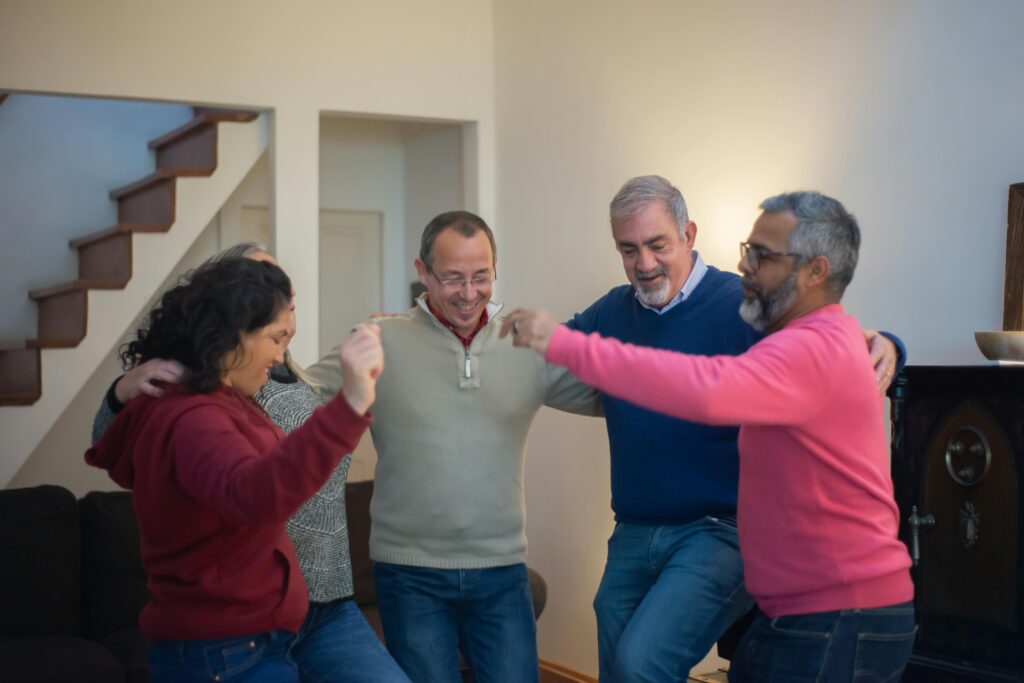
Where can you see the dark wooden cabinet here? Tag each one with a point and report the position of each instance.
(958, 470)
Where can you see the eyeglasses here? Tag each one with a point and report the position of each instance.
(457, 283)
(755, 254)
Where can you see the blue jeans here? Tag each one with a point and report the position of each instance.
(429, 615)
(259, 658)
(667, 594)
(336, 644)
(861, 645)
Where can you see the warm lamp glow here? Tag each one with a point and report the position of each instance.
(722, 229)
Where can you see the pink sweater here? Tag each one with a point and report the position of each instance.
(817, 520)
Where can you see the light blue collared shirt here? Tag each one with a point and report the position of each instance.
(697, 273)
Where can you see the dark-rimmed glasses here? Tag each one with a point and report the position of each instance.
(457, 283)
(755, 254)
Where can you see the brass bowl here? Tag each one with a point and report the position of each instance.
(1001, 345)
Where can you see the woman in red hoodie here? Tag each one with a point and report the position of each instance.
(215, 480)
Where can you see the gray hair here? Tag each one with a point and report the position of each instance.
(240, 250)
(637, 193)
(824, 228)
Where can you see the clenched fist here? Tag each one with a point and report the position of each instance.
(362, 361)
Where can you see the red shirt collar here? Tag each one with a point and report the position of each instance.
(466, 341)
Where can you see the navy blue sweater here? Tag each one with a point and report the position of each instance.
(664, 470)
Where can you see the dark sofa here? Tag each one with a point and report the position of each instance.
(72, 585)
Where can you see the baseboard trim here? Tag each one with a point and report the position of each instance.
(554, 673)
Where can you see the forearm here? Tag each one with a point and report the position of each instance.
(108, 410)
(259, 488)
(720, 390)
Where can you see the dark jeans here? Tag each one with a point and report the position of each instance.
(860, 645)
(668, 592)
(337, 645)
(430, 614)
(259, 658)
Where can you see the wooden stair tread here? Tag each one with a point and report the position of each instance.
(18, 399)
(203, 119)
(51, 343)
(119, 229)
(232, 114)
(75, 285)
(157, 176)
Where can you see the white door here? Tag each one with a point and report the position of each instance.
(350, 272)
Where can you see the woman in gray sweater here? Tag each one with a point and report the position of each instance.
(336, 643)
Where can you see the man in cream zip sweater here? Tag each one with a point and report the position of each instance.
(453, 411)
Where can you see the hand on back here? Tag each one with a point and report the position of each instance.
(884, 358)
(144, 379)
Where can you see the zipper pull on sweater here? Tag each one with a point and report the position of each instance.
(469, 367)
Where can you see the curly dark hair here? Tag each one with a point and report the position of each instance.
(202, 319)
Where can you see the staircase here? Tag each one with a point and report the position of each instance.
(106, 264)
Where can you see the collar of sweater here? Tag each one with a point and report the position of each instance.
(493, 308)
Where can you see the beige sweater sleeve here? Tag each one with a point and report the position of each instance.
(327, 374)
(565, 392)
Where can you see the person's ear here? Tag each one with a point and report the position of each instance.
(690, 234)
(421, 271)
(817, 269)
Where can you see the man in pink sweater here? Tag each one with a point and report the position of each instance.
(817, 521)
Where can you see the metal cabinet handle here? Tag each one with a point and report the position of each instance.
(916, 522)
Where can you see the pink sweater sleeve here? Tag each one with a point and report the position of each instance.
(781, 380)
(219, 467)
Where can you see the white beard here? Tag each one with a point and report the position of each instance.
(765, 308)
(752, 313)
(653, 296)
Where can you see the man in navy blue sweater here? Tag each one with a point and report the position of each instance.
(673, 582)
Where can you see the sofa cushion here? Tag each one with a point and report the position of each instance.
(113, 582)
(132, 650)
(58, 659)
(39, 584)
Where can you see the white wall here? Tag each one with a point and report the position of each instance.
(432, 61)
(433, 183)
(908, 112)
(59, 158)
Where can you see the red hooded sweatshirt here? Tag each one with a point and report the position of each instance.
(215, 481)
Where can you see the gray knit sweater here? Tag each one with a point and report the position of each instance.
(319, 529)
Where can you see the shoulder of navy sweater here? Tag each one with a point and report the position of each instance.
(710, 314)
